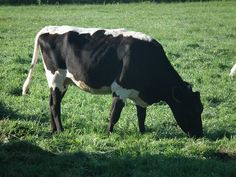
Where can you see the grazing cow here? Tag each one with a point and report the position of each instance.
(233, 71)
(126, 64)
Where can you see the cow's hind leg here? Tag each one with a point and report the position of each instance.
(55, 99)
(58, 88)
(117, 106)
(141, 113)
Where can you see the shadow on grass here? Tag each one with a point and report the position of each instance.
(7, 112)
(25, 159)
(212, 136)
(169, 133)
(219, 134)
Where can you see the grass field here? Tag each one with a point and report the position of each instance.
(200, 41)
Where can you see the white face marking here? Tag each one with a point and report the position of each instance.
(128, 93)
(91, 31)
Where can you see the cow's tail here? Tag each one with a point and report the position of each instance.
(233, 70)
(32, 67)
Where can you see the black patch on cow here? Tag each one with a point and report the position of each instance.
(147, 69)
(53, 50)
(93, 58)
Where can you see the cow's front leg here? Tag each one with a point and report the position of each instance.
(117, 106)
(55, 107)
(141, 113)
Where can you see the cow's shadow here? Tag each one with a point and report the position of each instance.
(212, 136)
(219, 134)
(7, 112)
(21, 158)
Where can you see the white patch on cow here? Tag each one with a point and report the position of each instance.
(57, 79)
(65, 29)
(83, 86)
(233, 70)
(91, 31)
(126, 33)
(124, 93)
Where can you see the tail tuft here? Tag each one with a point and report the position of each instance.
(233, 71)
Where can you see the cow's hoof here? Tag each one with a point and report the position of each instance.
(142, 130)
(53, 131)
(57, 131)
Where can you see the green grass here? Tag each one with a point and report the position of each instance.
(200, 41)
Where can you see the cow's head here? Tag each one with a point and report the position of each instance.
(187, 109)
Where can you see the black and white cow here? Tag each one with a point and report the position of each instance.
(123, 63)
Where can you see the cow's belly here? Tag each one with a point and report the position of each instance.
(61, 78)
(121, 92)
(83, 86)
(87, 88)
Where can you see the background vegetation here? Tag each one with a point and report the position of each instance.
(200, 41)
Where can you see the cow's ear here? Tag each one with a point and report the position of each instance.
(177, 94)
